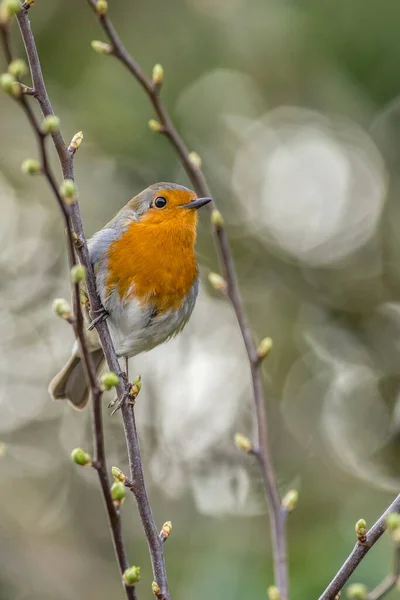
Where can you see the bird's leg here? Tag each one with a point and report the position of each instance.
(127, 395)
(133, 390)
(99, 315)
(127, 367)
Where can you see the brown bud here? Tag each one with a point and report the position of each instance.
(166, 531)
(243, 443)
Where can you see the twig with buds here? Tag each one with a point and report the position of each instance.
(123, 388)
(390, 582)
(191, 161)
(66, 196)
(362, 547)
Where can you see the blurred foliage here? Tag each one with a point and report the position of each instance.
(294, 108)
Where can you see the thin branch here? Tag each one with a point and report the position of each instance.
(360, 550)
(66, 159)
(132, 439)
(391, 580)
(277, 512)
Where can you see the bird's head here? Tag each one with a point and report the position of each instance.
(169, 204)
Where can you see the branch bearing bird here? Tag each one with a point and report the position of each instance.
(147, 279)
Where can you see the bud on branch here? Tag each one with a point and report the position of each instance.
(80, 457)
(118, 474)
(195, 159)
(217, 282)
(361, 530)
(243, 443)
(62, 308)
(101, 47)
(357, 591)
(165, 531)
(76, 142)
(273, 593)
(131, 576)
(264, 348)
(78, 273)
(158, 75)
(290, 501)
(108, 380)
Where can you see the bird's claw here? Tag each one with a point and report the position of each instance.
(127, 397)
(101, 315)
(130, 395)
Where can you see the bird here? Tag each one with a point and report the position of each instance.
(147, 278)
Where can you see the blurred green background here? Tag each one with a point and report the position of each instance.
(294, 109)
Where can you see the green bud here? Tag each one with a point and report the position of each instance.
(264, 348)
(18, 68)
(166, 530)
(361, 529)
(155, 126)
(289, 502)
(158, 74)
(195, 159)
(136, 387)
(243, 443)
(131, 576)
(108, 380)
(16, 89)
(101, 7)
(3, 448)
(118, 474)
(6, 82)
(80, 457)
(101, 47)
(68, 191)
(217, 282)
(155, 588)
(50, 124)
(78, 273)
(273, 593)
(217, 219)
(12, 6)
(76, 142)
(62, 308)
(31, 167)
(396, 535)
(118, 491)
(357, 591)
(393, 521)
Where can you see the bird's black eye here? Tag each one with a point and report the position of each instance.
(160, 202)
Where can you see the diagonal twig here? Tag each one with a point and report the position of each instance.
(389, 582)
(358, 553)
(194, 172)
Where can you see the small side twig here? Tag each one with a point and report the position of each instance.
(192, 164)
(358, 553)
(389, 582)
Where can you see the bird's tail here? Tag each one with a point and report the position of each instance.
(70, 383)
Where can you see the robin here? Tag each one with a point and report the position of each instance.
(147, 279)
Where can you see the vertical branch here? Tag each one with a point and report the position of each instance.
(65, 156)
(69, 212)
(191, 165)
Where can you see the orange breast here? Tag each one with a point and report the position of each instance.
(153, 262)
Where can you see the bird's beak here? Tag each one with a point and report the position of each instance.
(198, 203)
